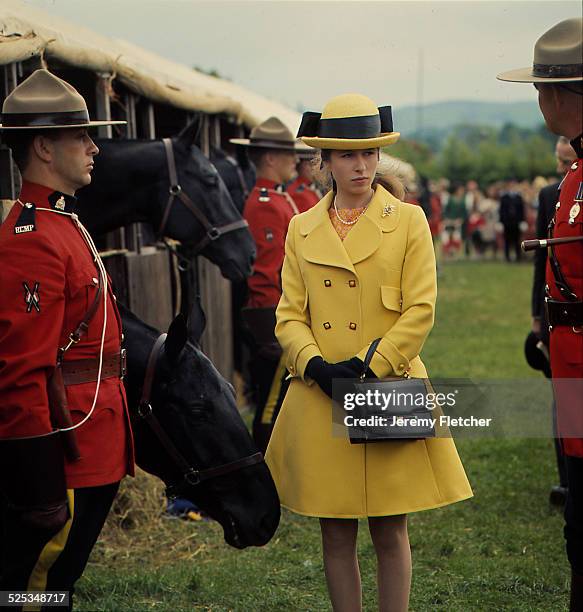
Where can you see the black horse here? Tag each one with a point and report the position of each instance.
(196, 409)
(132, 182)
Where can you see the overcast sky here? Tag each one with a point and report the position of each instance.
(302, 53)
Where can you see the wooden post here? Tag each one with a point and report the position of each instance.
(217, 340)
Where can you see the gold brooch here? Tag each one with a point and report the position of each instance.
(387, 210)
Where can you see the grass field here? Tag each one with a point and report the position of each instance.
(502, 550)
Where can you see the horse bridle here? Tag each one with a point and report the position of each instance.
(190, 475)
(175, 191)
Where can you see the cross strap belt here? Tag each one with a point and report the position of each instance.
(564, 313)
(86, 370)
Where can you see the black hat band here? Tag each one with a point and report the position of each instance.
(557, 71)
(62, 119)
(368, 126)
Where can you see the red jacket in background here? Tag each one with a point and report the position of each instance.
(303, 193)
(268, 212)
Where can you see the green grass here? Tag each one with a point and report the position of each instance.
(502, 550)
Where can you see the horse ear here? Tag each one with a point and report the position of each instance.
(189, 135)
(176, 339)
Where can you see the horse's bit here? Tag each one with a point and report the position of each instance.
(175, 191)
(190, 475)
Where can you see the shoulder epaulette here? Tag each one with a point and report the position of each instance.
(26, 221)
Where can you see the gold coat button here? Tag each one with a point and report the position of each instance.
(327, 325)
(327, 283)
(352, 326)
(352, 283)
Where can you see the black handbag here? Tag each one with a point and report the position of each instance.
(402, 414)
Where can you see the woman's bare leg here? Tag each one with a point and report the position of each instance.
(341, 563)
(391, 543)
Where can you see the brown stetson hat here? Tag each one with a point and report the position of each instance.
(44, 101)
(271, 134)
(558, 56)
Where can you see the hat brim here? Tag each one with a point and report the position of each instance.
(91, 124)
(350, 144)
(524, 75)
(245, 142)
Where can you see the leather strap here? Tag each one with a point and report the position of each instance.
(369, 355)
(87, 370)
(175, 191)
(564, 313)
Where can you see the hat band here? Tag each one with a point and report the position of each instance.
(360, 127)
(557, 70)
(45, 120)
(350, 127)
(262, 142)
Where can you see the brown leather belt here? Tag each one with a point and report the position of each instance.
(564, 313)
(86, 370)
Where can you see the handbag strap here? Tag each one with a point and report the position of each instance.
(369, 355)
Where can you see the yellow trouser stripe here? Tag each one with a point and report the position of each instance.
(50, 553)
(271, 402)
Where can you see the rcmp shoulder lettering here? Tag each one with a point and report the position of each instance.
(26, 221)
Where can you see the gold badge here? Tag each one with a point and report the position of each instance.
(575, 210)
(387, 210)
(60, 203)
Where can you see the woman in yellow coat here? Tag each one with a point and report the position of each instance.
(359, 265)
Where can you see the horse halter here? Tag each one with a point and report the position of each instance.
(190, 475)
(212, 232)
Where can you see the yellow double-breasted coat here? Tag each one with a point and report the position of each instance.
(338, 297)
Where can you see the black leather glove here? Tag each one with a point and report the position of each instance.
(324, 373)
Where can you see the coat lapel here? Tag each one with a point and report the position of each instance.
(322, 244)
(367, 234)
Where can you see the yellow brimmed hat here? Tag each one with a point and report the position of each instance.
(348, 122)
(558, 56)
(44, 101)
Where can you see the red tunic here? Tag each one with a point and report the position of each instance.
(268, 213)
(303, 193)
(566, 344)
(47, 281)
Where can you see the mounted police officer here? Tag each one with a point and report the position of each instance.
(64, 425)
(557, 74)
(268, 210)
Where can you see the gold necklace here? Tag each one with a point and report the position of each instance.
(348, 222)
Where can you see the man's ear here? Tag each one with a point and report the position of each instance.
(42, 147)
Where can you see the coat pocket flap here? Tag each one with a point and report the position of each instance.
(391, 298)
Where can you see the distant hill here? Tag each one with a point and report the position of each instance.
(446, 115)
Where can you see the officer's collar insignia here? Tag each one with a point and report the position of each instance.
(62, 202)
(300, 188)
(280, 188)
(32, 296)
(264, 195)
(26, 220)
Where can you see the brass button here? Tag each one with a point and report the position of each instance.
(352, 325)
(95, 281)
(558, 205)
(401, 366)
(327, 325)
(352, 283)
(574, 167)
(327, 283)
